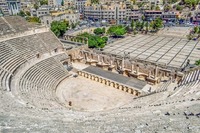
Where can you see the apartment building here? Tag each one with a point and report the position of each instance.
(68, 15)
(41, 11)
(4, 7)
(52, 2)
(117, 12)
(80, 5)
(170, 16)
(69, 4)
(10, 7)
(152, 14)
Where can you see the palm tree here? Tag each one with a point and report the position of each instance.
(132, 24)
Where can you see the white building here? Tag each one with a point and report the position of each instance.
(10, 7)
(52, 2)
(112, 13)
(80, 5)
(69, 16)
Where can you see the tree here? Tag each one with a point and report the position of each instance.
(94, 41)
(157, 8)
(62, 3)
(179, 8)
(146, 26)
(139, 25)
(167, 8)
(156, 24)
(43, 2)
(59, 27)
(132, 24)
(191, 3)
(133, 2)
(28, 13)
(199, 30)
(196, 29)
(142, 25)
(116, 31)
(143, 18)
(36, 6)
(22, 14)
(197, 62)
(94, 1)
(73, 26)
(99, 31)
(152, 6)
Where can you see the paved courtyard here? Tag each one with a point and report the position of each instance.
(173, 52)
(180, 32)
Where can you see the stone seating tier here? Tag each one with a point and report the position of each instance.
(41, 80)
(50, 40)
(190, 77)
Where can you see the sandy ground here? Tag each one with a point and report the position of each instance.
(87, 95)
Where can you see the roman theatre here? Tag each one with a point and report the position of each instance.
(140, 83)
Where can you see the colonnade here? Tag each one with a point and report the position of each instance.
(108, 82)
(151, 73)
(83, 40)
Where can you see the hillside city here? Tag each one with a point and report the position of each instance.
(99, 66)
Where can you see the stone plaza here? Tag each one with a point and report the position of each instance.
(169, 51)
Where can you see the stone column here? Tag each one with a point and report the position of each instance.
(137, 69)
(102, 60)
(122, 63)
(132, 68)
(156, 72)
(149, 74)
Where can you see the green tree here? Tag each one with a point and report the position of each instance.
(157, 8)
(179, 8)
(196, 29)
(73, 26)
(191, 3)
(43, 2)
(94, 41)
(116, 31)
(142, 25)
(59, 27)
(132, 24)
(152, 6)
(139, 25)
(143, 17)
(197, 62)
(28, 13)
(62, 3)
(146, 26)
(22, 14)
(156, 24)
(167, 7)
(94, 1)
(99, 31)
(199, 30)
(36, 6)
